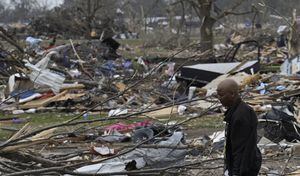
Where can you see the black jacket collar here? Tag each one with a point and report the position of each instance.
(231, 110)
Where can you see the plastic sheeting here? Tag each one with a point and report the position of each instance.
(33, 41)
(153, 157)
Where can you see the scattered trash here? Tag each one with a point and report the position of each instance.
(15, 112)
(142, 134)
(103, 150)
(100, 80)
(280, 124)
(181, 109)
(117, 112)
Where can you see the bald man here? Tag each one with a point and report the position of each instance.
(242, 157)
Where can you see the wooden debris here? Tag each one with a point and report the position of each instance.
(43, 102)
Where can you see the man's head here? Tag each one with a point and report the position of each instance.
(228, 92)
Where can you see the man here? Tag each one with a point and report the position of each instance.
(242, 157)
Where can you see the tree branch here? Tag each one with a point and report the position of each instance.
(230, 11)
(4, 36)
(237, 13)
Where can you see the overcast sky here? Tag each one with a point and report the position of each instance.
(51, 3)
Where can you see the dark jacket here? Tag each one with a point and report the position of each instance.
(242, 157)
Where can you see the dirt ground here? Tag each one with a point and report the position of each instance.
(198, 132)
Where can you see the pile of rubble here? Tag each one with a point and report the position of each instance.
(91, 78)
(75, 77)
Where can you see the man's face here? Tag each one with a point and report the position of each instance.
(225, 97)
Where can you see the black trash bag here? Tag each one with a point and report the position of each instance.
(142, 134)
(159, 131)
(281, 126)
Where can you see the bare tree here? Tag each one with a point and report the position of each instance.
(209, 13)
(23, 8)
(91, 14)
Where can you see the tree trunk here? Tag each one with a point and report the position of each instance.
(89, 19)
(293, 43)
(206, 34)
(206, 29)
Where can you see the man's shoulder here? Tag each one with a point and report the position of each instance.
(245, 113)
(243, 106)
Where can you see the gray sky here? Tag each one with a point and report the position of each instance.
(50, 3)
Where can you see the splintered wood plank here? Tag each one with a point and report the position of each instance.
(163, 112)
(70, 96)
(72, 86)
(42, 102)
